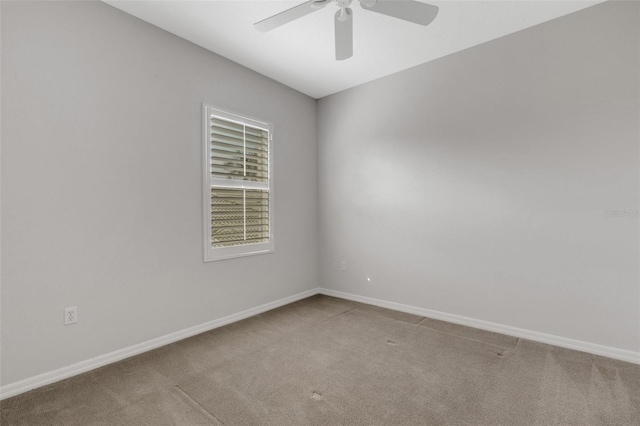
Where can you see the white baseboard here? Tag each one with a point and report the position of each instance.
(592, 348)
(44, 379)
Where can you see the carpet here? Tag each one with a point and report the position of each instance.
(328, 361)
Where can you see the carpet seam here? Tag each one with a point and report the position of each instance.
(515, 346)
(334, 317)
(355, 308)
(199, 405)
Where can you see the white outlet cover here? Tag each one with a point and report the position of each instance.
(71, 315)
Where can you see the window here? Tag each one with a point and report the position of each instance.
(238, 187)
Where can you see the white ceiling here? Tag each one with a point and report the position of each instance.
(301, 53)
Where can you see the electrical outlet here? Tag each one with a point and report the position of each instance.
(70, 315)
(343, 265)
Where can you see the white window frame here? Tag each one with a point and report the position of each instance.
(220, 253)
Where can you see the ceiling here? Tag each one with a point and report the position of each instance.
(301, 54)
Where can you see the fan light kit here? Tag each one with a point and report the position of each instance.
(407, 10)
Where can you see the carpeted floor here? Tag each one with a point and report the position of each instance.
(327, 361)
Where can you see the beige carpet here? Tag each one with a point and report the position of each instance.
(326, 361)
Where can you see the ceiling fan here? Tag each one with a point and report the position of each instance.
(408, 10)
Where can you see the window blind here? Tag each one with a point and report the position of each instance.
(239, 216)
(239, 157)
(239, 151)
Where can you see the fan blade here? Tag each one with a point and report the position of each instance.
(290, 15)
(344, 35)
(408, 10)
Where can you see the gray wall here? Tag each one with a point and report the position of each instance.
(101, 185)
(477, 184)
